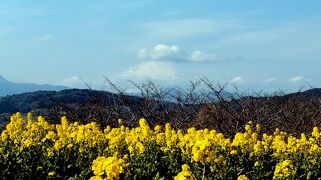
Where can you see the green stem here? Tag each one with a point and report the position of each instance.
(203, 177)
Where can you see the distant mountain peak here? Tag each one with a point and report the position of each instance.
(8, 88)
(2, 79)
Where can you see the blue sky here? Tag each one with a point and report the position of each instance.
(257, 45)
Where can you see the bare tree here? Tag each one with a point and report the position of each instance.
(202, 105)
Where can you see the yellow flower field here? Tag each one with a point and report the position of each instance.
(35, 149)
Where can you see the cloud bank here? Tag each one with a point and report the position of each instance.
(163, 52)
(151, 70)
(236, 80)
(295, 79)
(72, 80)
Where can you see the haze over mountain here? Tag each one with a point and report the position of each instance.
(8, 88)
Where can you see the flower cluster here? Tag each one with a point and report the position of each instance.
(186, 173)
(34, 148)
(108, 168)
(283, 169)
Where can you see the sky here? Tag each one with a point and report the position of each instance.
(253, 44)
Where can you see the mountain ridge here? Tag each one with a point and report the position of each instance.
(9, 88)
(28, 101)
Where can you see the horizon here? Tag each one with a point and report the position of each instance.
(266, 45)
(132, 90)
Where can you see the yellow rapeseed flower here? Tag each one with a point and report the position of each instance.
(242, 177)
(283, 169)
(185, 174)
(52, 173)
(110, 167)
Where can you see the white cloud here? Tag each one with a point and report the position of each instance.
(236, 80)
(174, 53)
(45, 38)
(151, 70)
(162, 51)
(295, 79)
(270, 80)
(72, 80)
(199, 56)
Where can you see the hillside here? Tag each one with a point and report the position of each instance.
(26, 102)
(32, 101)
(9, 88)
